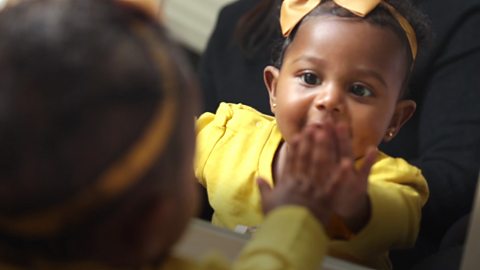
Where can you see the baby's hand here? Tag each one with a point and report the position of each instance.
(297, 184)
(346, 185)
(319, 174)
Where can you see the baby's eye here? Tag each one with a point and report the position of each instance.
(361, 90)
(310, 78)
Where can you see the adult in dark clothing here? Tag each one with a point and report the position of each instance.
(230, 72)
(443, 138)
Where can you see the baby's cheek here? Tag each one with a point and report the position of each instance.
(294, 129)
(362, 140)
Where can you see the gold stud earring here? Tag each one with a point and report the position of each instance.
(274, 105)
(391, 133)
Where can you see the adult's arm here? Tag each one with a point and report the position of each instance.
(449, 124)
(216, 66)
(226, 73)
(443, 140)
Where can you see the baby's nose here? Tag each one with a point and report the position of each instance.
(331, 98)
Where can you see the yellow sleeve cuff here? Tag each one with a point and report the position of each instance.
(289, 238)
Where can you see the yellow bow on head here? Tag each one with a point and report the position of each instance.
(293, 11)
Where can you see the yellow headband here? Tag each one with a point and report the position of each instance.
(293, 11)
(122, 174)
(150, 7)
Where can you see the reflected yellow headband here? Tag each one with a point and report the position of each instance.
(293, 11)
(149, 7)
(123, 173)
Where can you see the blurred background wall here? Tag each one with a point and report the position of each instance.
(190, 22)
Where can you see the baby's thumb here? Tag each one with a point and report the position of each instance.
(263, 187)
(369, 160)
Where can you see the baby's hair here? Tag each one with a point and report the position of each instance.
(81, 81)
(380, 16)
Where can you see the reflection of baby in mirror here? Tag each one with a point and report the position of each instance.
(337, 91)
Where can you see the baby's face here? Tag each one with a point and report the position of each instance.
(343, 70)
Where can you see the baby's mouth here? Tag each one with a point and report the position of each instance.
(315, 125)
(320, 120)
(326, 123)
(320, 123)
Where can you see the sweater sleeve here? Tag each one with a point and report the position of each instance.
(203, 147)
(289, 238)
(209, 129)
(397, 192)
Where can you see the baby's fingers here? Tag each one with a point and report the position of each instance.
(323, 156)
(304, 152)
(265, 194)
(291, 153)
(344, 141)
(368, 161)
(263, 187)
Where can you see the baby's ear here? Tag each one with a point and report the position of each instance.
(403, 111)
(270, 77)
